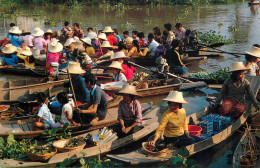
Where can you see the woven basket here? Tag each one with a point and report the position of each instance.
(39, 157)
(161, 153)
(61, 143)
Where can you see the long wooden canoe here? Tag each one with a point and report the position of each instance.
(23, 128)
(203, 52)
(149, 126)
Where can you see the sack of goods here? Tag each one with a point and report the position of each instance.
(105, 135)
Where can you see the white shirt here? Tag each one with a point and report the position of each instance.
(120, 77)
(252, 69)
(152, 47)
(66, 107)
(45, 114)
(180, 34)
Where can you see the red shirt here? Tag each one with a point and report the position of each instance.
(129, 72)
(112, 40)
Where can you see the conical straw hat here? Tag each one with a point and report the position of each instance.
(37, 32)
(49, 31)
(54, 46)
(74, 68)
(106, 44)
(116, 65)
(27, 52)
(120, 54)
(69, 41)
(92, 35)
(108, 29)
(102, 36)
(238, 66)
(15, 30)
(254, 51)
(86, 40)
(129, 90)
(9, 49)
(176, 97)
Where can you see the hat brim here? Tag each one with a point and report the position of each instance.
(17, 32)
(125, 93)
(26, 53)
(10, 51)
(182, 102)
(80, 71)
(244, 69)
(56, 49)
(252, 54)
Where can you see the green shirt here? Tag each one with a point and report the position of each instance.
(237, 90)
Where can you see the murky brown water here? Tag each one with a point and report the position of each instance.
(206, 18)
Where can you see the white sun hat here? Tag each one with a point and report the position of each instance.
(9, 49)
(108, 29)
(86, 40)
(238, 66)
(176, 97)
(27, 52)
(54, 46)
(74, 68)
(129, 90)
(69, 41)
(116, 65)
(254, 51)
(120, 54)
(37, 32)
(92, 35)
(15, 30)
(106, 44)
(102, 36)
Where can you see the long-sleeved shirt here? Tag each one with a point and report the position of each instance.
(15, 40)
(129, 71)
(28, 39)
(90, 51)
(173, 124)
(134, 53)
(112, 40)
(238, 90)
(11, 59)
(131, 113)
(39, 43)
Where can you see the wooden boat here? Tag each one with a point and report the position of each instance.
(203, 52)
(140, 157)
(23, 128)
(149, 126)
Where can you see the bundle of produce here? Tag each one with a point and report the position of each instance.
(15, 111)
(139, 77)
(4, 107)
(67, 145)
(105, 135)
(41, 153)
(220, 75)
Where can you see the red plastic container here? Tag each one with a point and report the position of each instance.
(194, 130)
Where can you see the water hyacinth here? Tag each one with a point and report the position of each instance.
(213, 37)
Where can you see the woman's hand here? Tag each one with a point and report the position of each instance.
(127, 130)
(123, 129)
(188, 135)
(76, 124)
(77, 110)
(151, 143)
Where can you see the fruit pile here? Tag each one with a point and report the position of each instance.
(42, 150)
(139, 77)
(220, 75)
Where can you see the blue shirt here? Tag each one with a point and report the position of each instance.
(16, 41)
(8, 36)
(81, 92)
(118, 38)
(13, 60)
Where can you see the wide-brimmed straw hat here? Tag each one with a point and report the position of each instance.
(26, 31)
(49, 31)
(92, 35)
(176, 97)
(74, 68)
(254, 51)
(86, 40)
(106, 44)
(120, 54)
(78, 44)
(128, 90)
(238, 66)
(54, 46)
(37, 32)
(108, 29)
(69, 41)
(9, 49)
(116, 65)
(15, 30)
(102, 36)
(27, 52)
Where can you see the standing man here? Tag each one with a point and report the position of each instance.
(180, 33)
(78, 32)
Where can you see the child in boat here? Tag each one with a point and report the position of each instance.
(67, 113)
(98, 101)
(233, 92)
(44, 117)
(116, 70)
(173, 124)
(129, 111)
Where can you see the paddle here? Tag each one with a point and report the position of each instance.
(224, 52)
(158, 72)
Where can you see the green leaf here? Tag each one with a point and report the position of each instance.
(10, 139)
(83, 154)
(65, 126)
(65, 162)
(53, 131)
(190, 162)
(175, 160)
(82, 162)
(2, 142)
(183, 151)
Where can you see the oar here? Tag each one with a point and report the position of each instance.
(223, 52)
(175, 76)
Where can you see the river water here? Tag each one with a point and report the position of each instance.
(204, 18)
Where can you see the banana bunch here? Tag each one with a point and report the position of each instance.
(139, 77)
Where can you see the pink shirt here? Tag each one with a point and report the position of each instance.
(47, 41)
(39, 43)
(53, 57)
(28, 39)
(129, 72)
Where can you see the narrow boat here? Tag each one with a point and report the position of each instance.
(140, 157)
(149, 126)
(203, 52)
(23, 128)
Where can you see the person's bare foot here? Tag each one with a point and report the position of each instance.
(94, 121)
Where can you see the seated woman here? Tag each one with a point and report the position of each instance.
(26, 55)
(116, 70)
(15, 33)
(233, 92)
(122, 47)
(252, 57)
(174, 60)
(128, 68)
(89, 49)
(129, 111)
(10, 57)
(44, 117)
(39, 41)
(98, 101)
(135, 51)
(173, 123)
(53, 55)
(67, 113)
(109, 51)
